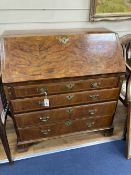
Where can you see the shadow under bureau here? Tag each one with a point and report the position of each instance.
(61, 82)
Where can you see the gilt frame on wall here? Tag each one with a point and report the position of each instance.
(105, 10)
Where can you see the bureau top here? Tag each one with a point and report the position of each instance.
(48, 55)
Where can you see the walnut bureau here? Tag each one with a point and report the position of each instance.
(61, 82)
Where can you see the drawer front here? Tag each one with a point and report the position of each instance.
(62, 114)
(69, 86)
(68, 126)
(37, 103)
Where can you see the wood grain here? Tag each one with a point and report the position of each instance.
(59, 129)
(64, 87)
(57, 115)
(45, 57)
(69, 99)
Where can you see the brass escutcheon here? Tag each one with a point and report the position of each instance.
(95, 85)
(69, 110)
(63, 39)
(69, 97)
(70, 85)
(68, 123)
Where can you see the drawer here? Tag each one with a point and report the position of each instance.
(68, 126)
(37, 103)
(62, 114)
(63, 87)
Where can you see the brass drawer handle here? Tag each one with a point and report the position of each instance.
(42, 90)
(41, 103)
(45, 132)
(92, 111)
(44, 119)
(69, 110)
(70, 85)
(63, 39)
(94, 97)
(91, 124)
(95, 85)
(69, 97)
(68, 123)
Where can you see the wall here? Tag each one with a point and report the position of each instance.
(40, 14)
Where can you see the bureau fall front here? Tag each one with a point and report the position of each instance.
(61, 82)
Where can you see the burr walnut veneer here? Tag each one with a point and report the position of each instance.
(78, 72)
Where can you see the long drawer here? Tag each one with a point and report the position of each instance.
(67, 86)
(68, 126)
(37, 103)
(58, 115)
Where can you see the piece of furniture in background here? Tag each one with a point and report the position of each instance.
(65, 82)
(125, 96)
(4, 111)
(126, 46)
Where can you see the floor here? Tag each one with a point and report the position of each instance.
(103, 159)
(64, 143)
